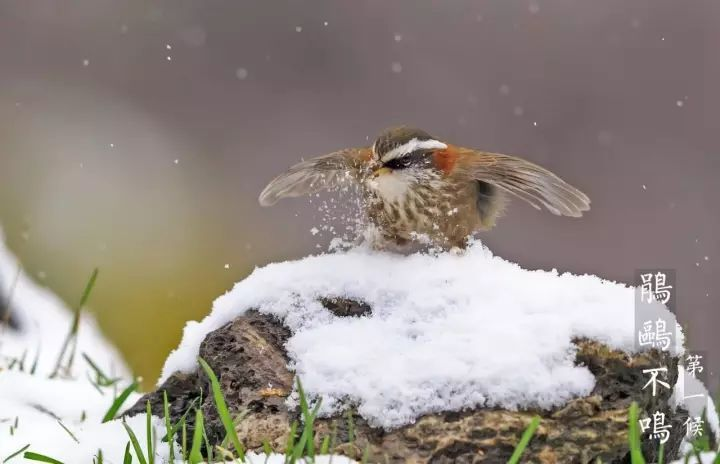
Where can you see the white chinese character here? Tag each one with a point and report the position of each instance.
(694, 427)
(693, 366)
(646, 337)
(662, 291)
(645, 424)
(654, 380)
(646, 289)
(660, 429)
(662, 336)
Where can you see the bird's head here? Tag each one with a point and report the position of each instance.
(402, 157)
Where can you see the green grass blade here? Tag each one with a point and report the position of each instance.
(208, 447)
(149, 432)
(16, 453)
(30, 456)
(325, 446)
(195, 454)
(118, 402)
(636, 456)
(184, 440)
(101, 378)
(366, 454)
(176, 428)
(168, 427)
(127, 459)
(307, 437)
(72, 334)
(135, 444)
(290, 445)
(72, 435)
(222, 408)
(351, 426)
(526, 437)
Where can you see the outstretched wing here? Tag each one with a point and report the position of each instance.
(322, 173)
(528, 181)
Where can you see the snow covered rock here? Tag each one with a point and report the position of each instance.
(438, 357)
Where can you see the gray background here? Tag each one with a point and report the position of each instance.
(619, 97)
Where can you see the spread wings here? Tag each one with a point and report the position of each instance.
(528, 181)
(322, 173)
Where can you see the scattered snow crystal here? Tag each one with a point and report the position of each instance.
(241, 73)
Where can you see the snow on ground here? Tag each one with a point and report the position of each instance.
(448, 331)
(706, 458)
(32, 408)
(31, 404)
(252, 458)
(44, 322)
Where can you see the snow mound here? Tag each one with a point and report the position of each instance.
(44, 321)
(447, 331)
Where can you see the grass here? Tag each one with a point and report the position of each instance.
(636, 456)
(301, 440)
(196, 449)
(526, 437)
(119, 400)
(70, 342)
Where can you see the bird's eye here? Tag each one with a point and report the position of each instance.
(418, 158)
(398, 163)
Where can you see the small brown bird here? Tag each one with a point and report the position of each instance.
(419, 189)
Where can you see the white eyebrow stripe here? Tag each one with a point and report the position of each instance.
(411, 146)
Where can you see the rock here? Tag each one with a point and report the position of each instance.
(7, 318)
(249, 359)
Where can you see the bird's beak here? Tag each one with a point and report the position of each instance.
(381, 171)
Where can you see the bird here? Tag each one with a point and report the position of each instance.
(419, 189)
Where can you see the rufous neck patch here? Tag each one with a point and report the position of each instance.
(445, 159)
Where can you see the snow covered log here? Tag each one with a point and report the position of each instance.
(249, 358)
(438, 358)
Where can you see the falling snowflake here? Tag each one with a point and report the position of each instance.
(396, 67)
(241, 73)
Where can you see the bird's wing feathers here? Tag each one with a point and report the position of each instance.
(322, 173)
(528, 181)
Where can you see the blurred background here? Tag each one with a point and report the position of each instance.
(135, 137)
